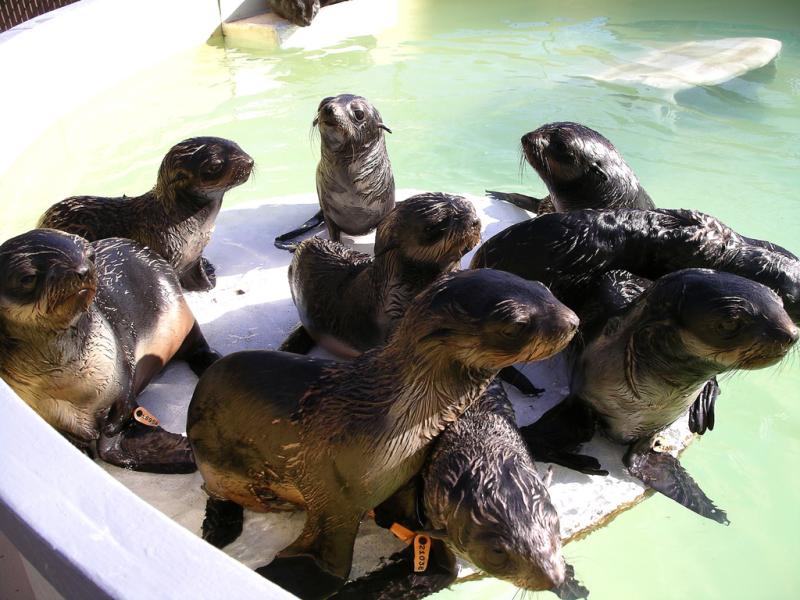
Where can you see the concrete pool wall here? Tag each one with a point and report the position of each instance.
(59, 509)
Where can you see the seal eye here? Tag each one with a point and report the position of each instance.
(27, 281)
(730, 325)
(212, 168)
(513, 330)
(358, 114)
(497, 556)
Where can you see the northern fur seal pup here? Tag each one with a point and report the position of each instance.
(349, 301)
(83, 328)
(580, 168)
(644, 367)
(269, 428)
(174, 219)
(567, 252)
(479, 496)
(355, 184)
(299, 12)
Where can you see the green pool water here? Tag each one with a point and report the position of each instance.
(459, 82)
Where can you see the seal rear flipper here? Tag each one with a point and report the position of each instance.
(571, 588)
(299, 341)
(282, 241)
(662, 472)
(147, 448)
(196, 351)
(302, 576)
(396, 580)
(514, 376)
(521, 200)
(701, 413)
(199, 277)
(223, 522)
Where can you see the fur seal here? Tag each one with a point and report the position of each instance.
(269, 428)
(349, 301)
(174, 219)
(299, 12)
(479, 496)
(580, 168)
(644, 365)
(568, 252)
(83, 329)
(355, 184)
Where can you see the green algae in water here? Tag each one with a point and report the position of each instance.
(459, 83)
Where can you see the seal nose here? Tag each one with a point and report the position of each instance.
(790, 336)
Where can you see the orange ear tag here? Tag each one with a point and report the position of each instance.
(145, 417)
(403, 533)
(422, 550)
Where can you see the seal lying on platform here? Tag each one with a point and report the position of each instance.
(355, 184)
(580, 168)
(83, 329)
(174, 219)
(649, 354)
(349, 301)
(479, 496)
(299, 12)
(340, 438)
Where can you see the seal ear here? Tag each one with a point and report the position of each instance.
(315, 122)
(598, 169)
(384, 127)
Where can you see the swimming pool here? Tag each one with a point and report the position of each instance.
(458, 87)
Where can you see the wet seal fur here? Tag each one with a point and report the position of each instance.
(355, 184)
(176, 218)
(269, 428)
(349, 301)
(648, 356)
(83, 329)
(299, 12)
(479, 496)
(580, 168)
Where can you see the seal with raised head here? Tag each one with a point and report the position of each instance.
(649, 354)
(570, 252)
(355, 184)
(83, 329)
(481, 497)
(340, 438)
(176, 218)
(349, 302)
(580, 168)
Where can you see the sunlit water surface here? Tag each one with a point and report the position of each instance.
(459, 82)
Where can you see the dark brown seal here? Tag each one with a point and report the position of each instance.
(355, 184)
(479, 496)
(339, 438)
(580, 168)
(299, 12)
(83, 329)
(349, 302)
(643, 367)
(174, 219)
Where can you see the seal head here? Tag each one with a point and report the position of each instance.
(298, 12)
(582, 169)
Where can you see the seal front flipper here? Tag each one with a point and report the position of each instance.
(662, 472)
(147, 448)
(514, 376)
(302, 576)
(299, 341)
(282, 241)
(571, 588)
(200, 276)
(521, 200)
(223, 522)
(196, 351)
(701, 413)
(396, 580)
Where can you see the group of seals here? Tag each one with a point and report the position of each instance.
(580, 168)
(349, 301)
(340, 438)
(355, 184)
(83, 328)
(174, 219)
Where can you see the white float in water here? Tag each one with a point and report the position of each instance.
(691, 64)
